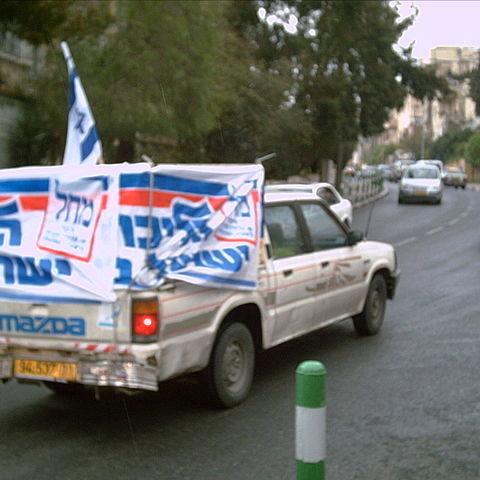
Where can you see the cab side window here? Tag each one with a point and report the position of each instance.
(325, 232)
(284, 231)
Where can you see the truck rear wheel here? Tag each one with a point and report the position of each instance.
(232, 365)
(65, 388)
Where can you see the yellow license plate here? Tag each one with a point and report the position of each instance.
(420, 192)
(46, 369)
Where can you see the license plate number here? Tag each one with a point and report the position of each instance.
(45, 369)
(420, 192)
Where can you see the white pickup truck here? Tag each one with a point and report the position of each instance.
(312, 272)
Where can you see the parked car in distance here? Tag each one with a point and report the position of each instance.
(327, 192)
(455, 177)
(421, 182)
(388, 172)
(400, 166)
(437, 163)
(349, 171)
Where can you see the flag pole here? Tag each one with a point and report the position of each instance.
(83, 144)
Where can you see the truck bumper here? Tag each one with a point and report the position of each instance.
(102, 373)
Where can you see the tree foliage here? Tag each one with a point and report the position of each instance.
(475, 88)
(211, 81)
(450, 147)
(349, 76)
(35, 21)
(472, 150)
(381, 153)
(142, 79)
(42, 21)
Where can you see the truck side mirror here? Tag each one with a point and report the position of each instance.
(354, 237)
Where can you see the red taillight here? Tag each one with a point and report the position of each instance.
(145, 320)
(145, 324)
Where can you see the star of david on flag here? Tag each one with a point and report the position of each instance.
(83, 144)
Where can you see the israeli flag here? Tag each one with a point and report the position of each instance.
(83, 143)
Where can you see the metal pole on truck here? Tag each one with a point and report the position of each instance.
(260, 160)
(310, 421)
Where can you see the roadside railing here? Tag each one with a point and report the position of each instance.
(361, 187)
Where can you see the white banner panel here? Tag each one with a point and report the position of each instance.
(58, 233)
(81, 233)
(205, 225)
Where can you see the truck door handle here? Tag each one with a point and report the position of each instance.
(287, 273)
(325, 264)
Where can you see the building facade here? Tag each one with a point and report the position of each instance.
(429, 120)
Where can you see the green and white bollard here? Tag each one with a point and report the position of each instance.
(310, 421)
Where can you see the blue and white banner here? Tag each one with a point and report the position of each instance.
(83, 146)
(83, 233)
(204, 223)
(58, 233)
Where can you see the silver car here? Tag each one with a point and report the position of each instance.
(455, 177)
(421, 182)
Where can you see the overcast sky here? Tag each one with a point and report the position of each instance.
(441, 24)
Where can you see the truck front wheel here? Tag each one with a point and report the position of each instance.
(232, 365)
(370, 319)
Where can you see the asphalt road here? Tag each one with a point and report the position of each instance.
(401, 405)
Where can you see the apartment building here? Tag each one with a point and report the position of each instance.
(431, 119)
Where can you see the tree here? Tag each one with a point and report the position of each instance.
(41, 22)
(258, 116)
(475, 88)
(472, 150)
(215, 83)
(37, 22)
(144, 83)
(381, 153)
(450, 147)
(349, 76)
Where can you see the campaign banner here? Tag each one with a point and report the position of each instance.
(59, 233)
(82, 234)
(74, 210)
(196, 223)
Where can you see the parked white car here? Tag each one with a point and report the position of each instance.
(455, 177)
(327, 192)
(421, 182)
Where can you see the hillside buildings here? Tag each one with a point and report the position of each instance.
(428, 120)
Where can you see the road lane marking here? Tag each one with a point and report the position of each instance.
(406, 241)
(434, 230)
(458, 340)
(454, 221)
